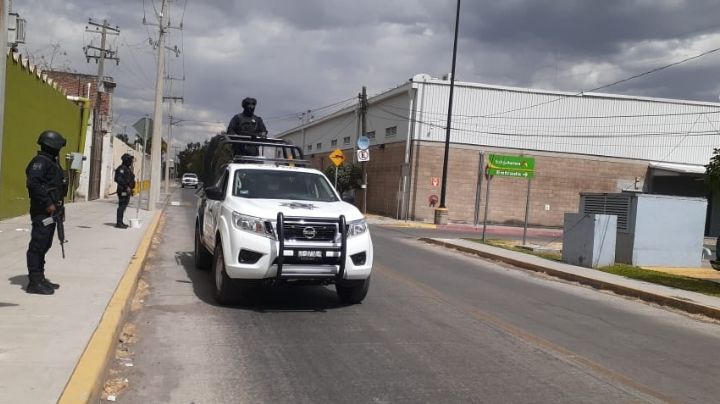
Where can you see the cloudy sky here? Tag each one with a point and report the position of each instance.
(295, 55)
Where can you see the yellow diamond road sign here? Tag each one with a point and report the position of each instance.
(337, 157)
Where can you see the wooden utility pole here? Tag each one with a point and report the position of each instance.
(99, 54)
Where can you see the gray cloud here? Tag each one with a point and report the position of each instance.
(295, 55)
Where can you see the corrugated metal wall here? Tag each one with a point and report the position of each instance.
(645, 129)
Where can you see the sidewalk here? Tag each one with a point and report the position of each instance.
(491, 230)
(680, 299)
(42, 337)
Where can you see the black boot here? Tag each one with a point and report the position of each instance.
(45, 281)
(36, 286)
(121, 226)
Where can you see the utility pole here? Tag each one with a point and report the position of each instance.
(100, 54)
(305, 118)
(171, 123)
(156, 152)
(441, 213)
(363, 130)
(157, 118)
(3, 61)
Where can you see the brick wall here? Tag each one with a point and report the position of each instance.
(76, 84)
(383, 170)
(559, 178)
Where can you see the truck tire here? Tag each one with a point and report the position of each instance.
(203, 258)
(353, 292)
(226, 291)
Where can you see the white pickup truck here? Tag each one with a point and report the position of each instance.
(269, 221)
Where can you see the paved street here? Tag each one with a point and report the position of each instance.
(437, 326)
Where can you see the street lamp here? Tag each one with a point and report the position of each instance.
(441, 213)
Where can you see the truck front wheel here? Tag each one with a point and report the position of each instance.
(203, 259)
(226, 292)
(352, 292)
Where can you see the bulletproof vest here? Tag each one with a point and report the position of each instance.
(247, 125)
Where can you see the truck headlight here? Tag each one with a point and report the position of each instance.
(357, 227)
(252, 224)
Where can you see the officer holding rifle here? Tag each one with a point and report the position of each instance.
(47, 188)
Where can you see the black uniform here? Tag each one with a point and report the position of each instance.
(125, 179)
(46, 187)
(242, 124)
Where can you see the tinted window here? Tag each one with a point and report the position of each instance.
(282, 185)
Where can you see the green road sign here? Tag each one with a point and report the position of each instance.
(511, 166)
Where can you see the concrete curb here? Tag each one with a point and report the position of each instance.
(690, 307)
(86, 381)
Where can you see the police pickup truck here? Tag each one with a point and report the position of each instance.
(268, 221)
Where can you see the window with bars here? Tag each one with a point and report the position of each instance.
(391, 131)
(371, 135)
(346, 140)
(309, 147)
(333, 142)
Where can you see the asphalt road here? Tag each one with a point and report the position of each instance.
(437, 326)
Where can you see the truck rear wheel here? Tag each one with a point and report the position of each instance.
(353, 292)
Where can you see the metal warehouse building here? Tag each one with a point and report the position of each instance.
(586, 142)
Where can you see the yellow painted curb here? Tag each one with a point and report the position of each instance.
(86, 381)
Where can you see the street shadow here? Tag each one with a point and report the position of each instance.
(8, 305)
(262, 298)
(19, 280)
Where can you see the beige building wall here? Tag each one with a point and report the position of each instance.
(559, 179)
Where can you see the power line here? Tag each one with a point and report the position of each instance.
(622, 116)
(608, 85)
(570, 136)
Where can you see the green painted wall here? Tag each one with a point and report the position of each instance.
(32, 106)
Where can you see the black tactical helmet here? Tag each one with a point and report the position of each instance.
(248, 101)
(52, 140)
(127, 159)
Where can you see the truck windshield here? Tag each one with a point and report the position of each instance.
(259, 184)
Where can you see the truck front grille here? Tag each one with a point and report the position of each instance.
(310, 231)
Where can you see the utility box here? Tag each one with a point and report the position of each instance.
(589, 239)
(653, 230)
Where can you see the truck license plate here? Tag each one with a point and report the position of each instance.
(309, 254)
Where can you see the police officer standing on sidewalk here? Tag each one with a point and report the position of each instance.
(46, 187)
(125, 179)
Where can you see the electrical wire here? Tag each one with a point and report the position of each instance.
(573, 135)
(607, 85)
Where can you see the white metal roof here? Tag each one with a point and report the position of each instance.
(642, 128)
(612, 125)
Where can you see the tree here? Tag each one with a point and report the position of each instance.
(349, 177)
(191, 159)
(712, 172)
(124, 138)
(712, 181)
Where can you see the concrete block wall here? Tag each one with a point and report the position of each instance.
(559, 179)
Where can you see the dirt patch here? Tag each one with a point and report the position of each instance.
(143, 289)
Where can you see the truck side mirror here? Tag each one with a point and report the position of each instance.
(214, 193)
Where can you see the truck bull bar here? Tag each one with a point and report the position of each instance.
(340, 252)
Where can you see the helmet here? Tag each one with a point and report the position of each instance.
(127, 159)
(51, 139)
(248, 101)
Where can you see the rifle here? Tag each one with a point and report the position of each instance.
(58, 218)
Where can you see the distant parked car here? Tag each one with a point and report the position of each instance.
(189, 180)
